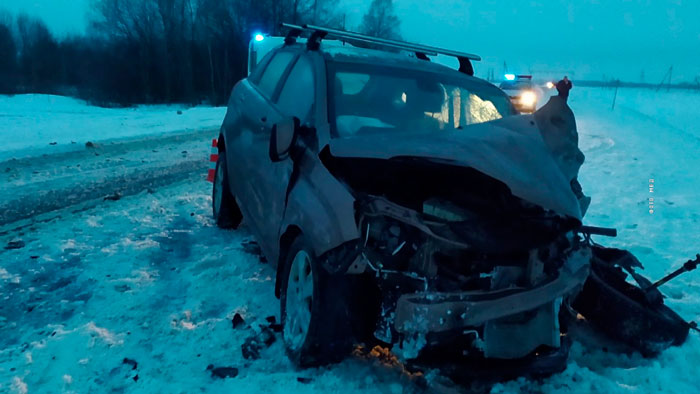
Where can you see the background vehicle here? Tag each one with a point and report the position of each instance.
(402, 204)
(525, 94)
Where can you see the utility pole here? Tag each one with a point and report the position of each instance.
(668, 75)
(617, 85)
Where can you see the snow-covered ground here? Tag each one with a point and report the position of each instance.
(649, 135)
(33, 124)
(150, 279)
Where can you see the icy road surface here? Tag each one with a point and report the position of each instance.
(110, 169)
(137, 295)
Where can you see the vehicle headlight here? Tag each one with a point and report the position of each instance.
(550, 85)
(528, 99)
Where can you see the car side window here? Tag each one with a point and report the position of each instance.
(273, 72)
(297, 95)
(256, 72)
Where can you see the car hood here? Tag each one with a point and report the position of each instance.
(510, 150)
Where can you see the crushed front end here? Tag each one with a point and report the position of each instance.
(443, 283)
(464, 269)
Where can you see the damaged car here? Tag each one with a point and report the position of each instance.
(407, 204)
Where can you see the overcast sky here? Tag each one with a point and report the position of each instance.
(586, 39)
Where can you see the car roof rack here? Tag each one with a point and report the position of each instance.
(318, 33)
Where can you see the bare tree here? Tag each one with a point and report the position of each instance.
(381, 20)
(8, 59)
(38, 55)
(137, 22)
(143, 51)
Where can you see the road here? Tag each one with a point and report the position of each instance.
(37, 185)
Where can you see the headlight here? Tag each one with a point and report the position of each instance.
(528, 99)
(550, 85)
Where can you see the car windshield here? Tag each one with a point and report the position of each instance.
(516, 85)
(370, 99)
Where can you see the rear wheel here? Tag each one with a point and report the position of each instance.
(224, 206)
(314, 310)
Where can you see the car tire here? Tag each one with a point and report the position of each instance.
(224, 207)
(314, 310)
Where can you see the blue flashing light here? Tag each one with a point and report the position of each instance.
(510, 77)
(259, 37)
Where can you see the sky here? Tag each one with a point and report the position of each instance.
(584, 39)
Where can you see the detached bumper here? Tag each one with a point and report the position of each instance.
(437, 312)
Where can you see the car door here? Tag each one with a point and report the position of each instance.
(248, 139)
(296, 98)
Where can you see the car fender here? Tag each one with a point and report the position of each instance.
(318, 207)
(321, 207)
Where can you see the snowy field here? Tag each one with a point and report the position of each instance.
(137, 295)
(33, 124)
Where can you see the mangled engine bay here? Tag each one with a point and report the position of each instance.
(460, 262)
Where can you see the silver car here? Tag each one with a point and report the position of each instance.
(403, 204)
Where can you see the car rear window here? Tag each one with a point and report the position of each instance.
(273, 72)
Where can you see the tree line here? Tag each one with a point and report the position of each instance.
(158, 51)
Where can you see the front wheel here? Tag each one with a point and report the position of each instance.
(224, 206)
(314, 310)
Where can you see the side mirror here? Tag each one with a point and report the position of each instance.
(282, 138)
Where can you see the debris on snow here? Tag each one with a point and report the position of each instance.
(273, 325)
(222, 372)
(113, 197)
(257, 342)
(131, 362)
(15, 245)
(237, 320)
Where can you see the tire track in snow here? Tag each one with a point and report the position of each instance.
(34, 186)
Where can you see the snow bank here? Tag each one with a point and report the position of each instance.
(33, 124)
